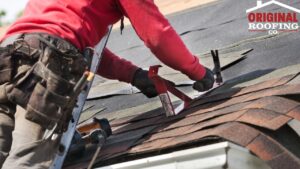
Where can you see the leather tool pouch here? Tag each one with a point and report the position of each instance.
(59, 71)
(6, 64)
(47, 86)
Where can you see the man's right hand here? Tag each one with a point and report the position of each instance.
(206, 83)
(144, 83)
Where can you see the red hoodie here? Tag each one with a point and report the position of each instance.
(85, 22)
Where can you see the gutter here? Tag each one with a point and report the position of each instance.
(223, 155)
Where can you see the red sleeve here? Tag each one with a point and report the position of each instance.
(158, 35)
(113, 67)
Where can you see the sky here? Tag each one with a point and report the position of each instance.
(12, 8)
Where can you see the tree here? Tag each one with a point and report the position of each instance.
(19, 14)
(2, 14)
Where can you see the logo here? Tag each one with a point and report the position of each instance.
(273, 22)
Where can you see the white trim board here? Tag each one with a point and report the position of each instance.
(223, 155)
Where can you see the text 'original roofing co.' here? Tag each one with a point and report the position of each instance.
(273, 22)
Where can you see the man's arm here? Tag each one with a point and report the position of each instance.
(113, 67)
(154, 29)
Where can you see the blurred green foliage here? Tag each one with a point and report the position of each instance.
(2, 14)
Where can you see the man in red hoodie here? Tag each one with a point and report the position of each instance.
(42, 58)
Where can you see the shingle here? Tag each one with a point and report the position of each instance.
(118, 144)
(296, 80)
(273, 153)
(287, 79)
(150, 146)
(288, 90)
(185, 121)
(135, 118)
(188, 138)
(235, 98)
(242, 91)
(264, 118)
(259, 117)
(112, 149)
(222, 110)
(235, 132)
(274, 103)
(260, 86)
(229, 93)
(276, 91)
(232, 101)
(174, 131)
(170, 133)
(284, 161)
(295, 113)
(133, 134)
(267, 84)
(265, 147)
(138, 125)
(196, 118)
(217, 121)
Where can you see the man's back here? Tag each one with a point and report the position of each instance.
(82, 22)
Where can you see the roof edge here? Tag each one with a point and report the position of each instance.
(211, 156)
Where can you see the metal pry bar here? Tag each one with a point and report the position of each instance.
(163, 87)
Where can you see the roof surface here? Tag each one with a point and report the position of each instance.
(248, 116)
(257, 108)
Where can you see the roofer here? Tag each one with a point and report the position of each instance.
(42, 58)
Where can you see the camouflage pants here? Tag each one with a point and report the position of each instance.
(32, 94)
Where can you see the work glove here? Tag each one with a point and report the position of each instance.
(206, 83)
(143, 83)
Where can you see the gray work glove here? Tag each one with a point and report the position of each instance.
(143, 83)
(206, 83)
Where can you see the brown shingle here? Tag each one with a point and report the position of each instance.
(264, 118)
(217, 121)
(194, 118)
(150, 146)
(138, 125)
(112, 149)
(260, 86)
(191, 127)
(273, 153)
(274, 103)
(286, 79)
(295, 113)
(170, 133)
(284, 161)
(238, 133)
(135, 118)
(223, 110)
(265, 147)
(267, 84)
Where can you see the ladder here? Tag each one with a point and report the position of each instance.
(67, 137)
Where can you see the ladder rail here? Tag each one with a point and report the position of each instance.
(67, 137)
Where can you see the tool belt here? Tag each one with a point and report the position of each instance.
(39, 72)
